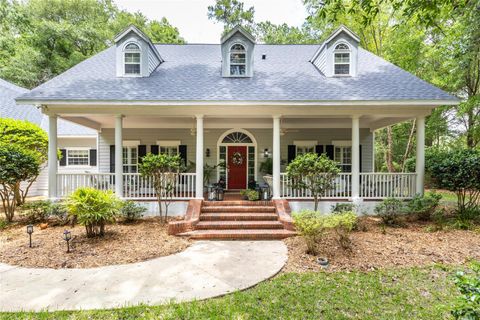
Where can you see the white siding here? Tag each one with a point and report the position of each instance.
(40, 186)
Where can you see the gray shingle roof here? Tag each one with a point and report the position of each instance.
(192, 72)
(9, 109)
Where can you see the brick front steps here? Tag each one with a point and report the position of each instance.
(238, 220)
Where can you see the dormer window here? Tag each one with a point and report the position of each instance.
(238, 60)
(342, 60)
(132, 59)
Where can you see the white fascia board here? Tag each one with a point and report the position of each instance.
(434, 103)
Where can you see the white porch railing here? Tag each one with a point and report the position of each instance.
(384, 185)
(342, 189)
(134, 185)
(137, 187)
(69, 182)
(372, 186)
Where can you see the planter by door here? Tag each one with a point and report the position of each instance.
(237, 167)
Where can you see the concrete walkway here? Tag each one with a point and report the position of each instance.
(206, 269)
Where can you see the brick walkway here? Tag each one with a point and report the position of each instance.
(204, 270)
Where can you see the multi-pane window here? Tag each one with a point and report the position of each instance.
(343, 155)
(238, 60)
(171, 150)
(305, 149)
(130, 159)
(342, 59)
(78, 157)
(132, 59)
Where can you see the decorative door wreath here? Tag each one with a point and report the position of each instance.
(237, 159)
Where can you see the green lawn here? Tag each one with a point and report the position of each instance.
(416, 293)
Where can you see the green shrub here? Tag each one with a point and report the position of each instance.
(342, 224)
(342, 207)
(93, 208)
(59, 211)
(313, 172)
(468, 306)
(458, 171)
(424, 206)
(253, 195)
(3, 224)
(37, 211)
(132, 211)
(389, 210)
(310, 225)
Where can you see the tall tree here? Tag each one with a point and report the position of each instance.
(232, 13)
(451, 46)
(43, 38)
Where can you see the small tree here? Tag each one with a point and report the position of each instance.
(164, 169)
(314, 173)
(16, 165)
(458, 171)
(28, 136)
(93, 208)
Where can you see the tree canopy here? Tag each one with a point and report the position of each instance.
(42, 38)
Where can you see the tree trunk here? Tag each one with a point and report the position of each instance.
(409, 144)
(389, 151)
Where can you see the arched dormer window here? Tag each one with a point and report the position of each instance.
(238, 60)
(132, 59)
(342, 59)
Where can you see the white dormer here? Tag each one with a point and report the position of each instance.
(136, 56)
(237, 53)
(338, 55)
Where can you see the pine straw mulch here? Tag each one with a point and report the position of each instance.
(122, 243)
(375, 247)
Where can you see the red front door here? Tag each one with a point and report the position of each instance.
(237, 167)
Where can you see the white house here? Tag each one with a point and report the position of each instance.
(77, 143)
(240, 102)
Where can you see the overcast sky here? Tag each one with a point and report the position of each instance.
(190, 16)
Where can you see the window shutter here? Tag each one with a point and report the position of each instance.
(93, 157)
(154, 149)
(112, 158)
(360, 155)
(182, 150)
(292, 152)
(142, 152)
(319, 149)
(330, 149)
(63, 160)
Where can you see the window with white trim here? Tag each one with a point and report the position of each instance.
(132, 59)
(341, 60)
(304, 147)
(168, 147)
(78, 157)
(343, 155)
(130, 159)
(238, 60)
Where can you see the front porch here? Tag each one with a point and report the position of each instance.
(215, 136)
(348, 140)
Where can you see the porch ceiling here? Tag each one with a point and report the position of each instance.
(288, 122)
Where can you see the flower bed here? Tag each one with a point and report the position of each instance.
(376, 247)
(122, 243)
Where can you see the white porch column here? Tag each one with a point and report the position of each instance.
(276, 157)
(420, 159)
(355, 157)
(199, 159)
(119, 155)
(52, 156)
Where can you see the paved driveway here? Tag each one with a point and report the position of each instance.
(206, 269)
